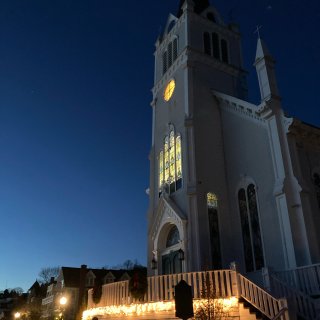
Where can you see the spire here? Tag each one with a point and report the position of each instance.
(199, 6)
(265, 65)
(262, 50)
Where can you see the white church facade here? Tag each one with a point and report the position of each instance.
(230, 180)
(234, 194)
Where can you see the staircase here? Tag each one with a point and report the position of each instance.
(300, 286)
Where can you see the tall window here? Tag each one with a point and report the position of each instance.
(224, 51)
(207, 43)
(316, 181)
(170, 164)
(169, 55)
(215, 47)
(212, 207)
(251, 234)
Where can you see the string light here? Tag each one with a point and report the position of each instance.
(140, 309)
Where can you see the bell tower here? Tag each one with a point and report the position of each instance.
(196, 54)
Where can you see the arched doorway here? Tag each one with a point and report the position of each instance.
(171, 257)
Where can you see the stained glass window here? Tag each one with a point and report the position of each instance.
(160, 169)
(172, 158)
(212, 205)
(166, 160)
(212, 200)
(251, 234)
(316, 181)
(255, 227)
(170, 164)
(178, 157)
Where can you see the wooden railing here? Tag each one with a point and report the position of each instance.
(161, 288)
(113, 294)
(302, 304)
(260, 299)
(226, 283)
(306, 279)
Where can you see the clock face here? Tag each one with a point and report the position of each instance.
(168, 91)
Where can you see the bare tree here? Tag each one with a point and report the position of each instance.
(211, 307)
(47, 273)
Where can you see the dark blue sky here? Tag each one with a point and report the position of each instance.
(75, 120)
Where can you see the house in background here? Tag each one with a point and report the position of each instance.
(73, 285)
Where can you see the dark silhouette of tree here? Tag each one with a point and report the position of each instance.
(47, 273)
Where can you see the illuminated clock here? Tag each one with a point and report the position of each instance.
(168, 91)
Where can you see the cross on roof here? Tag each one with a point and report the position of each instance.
(258, 30)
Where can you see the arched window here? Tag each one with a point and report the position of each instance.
(170, 164)
(169, 55)
(215, 46)
(251, 234)
(164, 62)
(212, 207)
(316, 182)
(224, 51)
(170, 260)
(173, 237)
(207, 43)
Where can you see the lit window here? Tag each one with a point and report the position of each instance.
(168, 92)
(251, 234)
(212, 207)
(160, 169)
(170, 164)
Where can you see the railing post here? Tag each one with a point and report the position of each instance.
(266, 273)
(284, 304)
(235, 284)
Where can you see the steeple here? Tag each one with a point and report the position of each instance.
(199, 6)
(265, 65)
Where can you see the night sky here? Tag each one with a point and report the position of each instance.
(75, 119)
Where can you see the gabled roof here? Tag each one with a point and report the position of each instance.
(71, 276)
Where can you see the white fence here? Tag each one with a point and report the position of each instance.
(226, 283)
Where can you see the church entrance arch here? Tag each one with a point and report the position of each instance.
(169, 245)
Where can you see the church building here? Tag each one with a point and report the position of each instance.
(230, 181)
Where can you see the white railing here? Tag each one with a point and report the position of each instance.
(161, 288)
(260, 299)
(226, 283)
(113, 294)
(302, 304)
(306, 279)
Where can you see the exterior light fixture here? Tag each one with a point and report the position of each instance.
(63, 301)
(180, 254)
(17, 315)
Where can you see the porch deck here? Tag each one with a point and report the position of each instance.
(158, 302)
